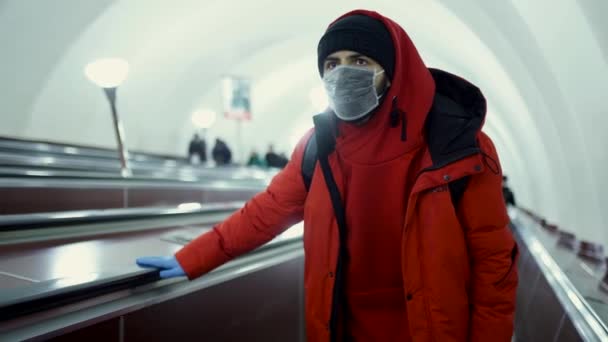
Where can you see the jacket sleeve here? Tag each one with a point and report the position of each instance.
(492, 251)
(266, 215)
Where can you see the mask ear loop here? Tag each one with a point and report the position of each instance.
(376, 74)
(384, 91)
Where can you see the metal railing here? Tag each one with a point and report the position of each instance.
(588, 324)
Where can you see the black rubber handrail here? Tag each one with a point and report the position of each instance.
(94, 151)
(55, 178)
(77, 163)
(59, 292)
(54, 293)
(192, 175)
(55, 219)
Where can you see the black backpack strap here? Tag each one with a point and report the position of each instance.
(319, 147)
(325, 145)
(309, 160)
(457, 189)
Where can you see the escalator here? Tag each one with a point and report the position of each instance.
(89, 282)
(560, 296)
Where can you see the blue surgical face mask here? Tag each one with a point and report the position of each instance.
(351, 91)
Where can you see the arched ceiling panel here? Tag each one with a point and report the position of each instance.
(546, 111)
(34, 37)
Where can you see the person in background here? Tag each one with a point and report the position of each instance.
(221, 153)
(255, 160)
(197, 149)
(283, 160)
(272, 159)
(406, 232)
(507, 193)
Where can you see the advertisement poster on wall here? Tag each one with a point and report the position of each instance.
(236, 92)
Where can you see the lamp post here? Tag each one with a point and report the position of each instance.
(109, 73)
(202, 119)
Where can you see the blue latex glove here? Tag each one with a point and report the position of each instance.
(168, 265)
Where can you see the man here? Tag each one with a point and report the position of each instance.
(408, 256)
(271, 157)
(507, 193)
(221, 153)
(275, 160)
(197, 147)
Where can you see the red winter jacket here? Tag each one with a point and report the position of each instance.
(418, 269)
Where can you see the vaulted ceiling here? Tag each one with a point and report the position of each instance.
(541, 64)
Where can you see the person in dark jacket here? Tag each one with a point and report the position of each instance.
(507, 192)
(221, 153)
(273, 159)
(197, 147)
(401, 261)
(255, 160)
(283, 160)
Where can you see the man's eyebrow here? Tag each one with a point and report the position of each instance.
(331, 59)
(351, 57)
(357, 55)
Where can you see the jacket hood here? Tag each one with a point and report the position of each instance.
(396, 126)
(421, 105)
(455, 119)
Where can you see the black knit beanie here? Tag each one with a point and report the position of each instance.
(362, 34)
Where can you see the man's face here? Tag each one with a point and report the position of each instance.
(351, 58)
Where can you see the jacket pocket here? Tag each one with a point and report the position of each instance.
(511, 276)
